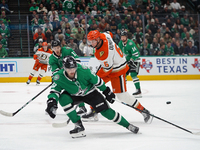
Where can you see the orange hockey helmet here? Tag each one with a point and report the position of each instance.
(93, 35)
(44, 44)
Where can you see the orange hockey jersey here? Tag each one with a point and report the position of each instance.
(42, 56)
(111, 58)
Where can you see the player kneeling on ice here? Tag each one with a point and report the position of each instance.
(76, 83)
(41, 58)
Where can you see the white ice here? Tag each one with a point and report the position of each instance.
(31, 129)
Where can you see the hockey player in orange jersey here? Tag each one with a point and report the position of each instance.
(41, 58)
(113, 68)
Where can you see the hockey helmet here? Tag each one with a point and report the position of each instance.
(123, 32)
(93, 35)
(69, 62)
(55, 43)
(44, 44)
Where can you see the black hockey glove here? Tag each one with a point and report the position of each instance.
(132, 66)
(109, 95)
(51, 107)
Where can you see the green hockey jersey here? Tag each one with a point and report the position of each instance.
(84, 83)
(56, 62)
(69, 6)
(130, 50)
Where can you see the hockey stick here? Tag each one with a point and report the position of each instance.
(195, 133)
(12, 114)
(60, 125)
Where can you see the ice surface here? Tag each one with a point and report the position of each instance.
(31, 129)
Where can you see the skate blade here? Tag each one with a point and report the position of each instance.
(138, 96)
(78, 135)
(93, 119)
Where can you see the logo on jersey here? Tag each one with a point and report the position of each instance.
(101, 53)
(196, 64)
(146, 64)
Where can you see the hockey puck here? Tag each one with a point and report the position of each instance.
(168, 102)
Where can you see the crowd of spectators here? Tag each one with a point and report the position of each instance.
(157, 27)
(4, 28)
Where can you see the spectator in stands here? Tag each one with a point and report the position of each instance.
(38, 45)
(88, 50)
(82, 44)
(174, 14)
(174, 30)
(102, 25)
(185, 20)
(132, 27)
(120, 8)
(4, 31)
(177, 38)
(114, 11)
(169, 50)
(52, 12)
(175, 5)
(144, 48)
(196, 37)
(44, 3)
(168, 32)
(163, 28)
(35, 26)
(126, 4)
(138, 35)
(4, 43)
(117, 19)
(138, 2)
(189, 38)
(63, 22)
(59, 32)
(191, 22)
(4, 7)
(154, 45)
(39, 34)
(53, 16)
(183, 34)
(168, 5)
(3, 52)
(41, 9)
(75, 29)
(72, 22)
(166, 13)
(178, 49)
(182, 11)
(167, 38)
(74, 46)
(153, 27)
(79, 35)
(34, 7)
(122, 25)
(190, 50)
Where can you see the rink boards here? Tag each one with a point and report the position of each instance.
(151, 68)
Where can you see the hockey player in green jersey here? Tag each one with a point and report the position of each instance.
(76, 83)
(132, 55)
(55, 61)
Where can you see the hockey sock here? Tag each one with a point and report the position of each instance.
(138, 106)
(30, 77)
(110, 114)
(136, 80)
(81, 104)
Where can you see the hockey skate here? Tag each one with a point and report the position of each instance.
(28, 82)
(138, 93)
(92, 116)
(133, 128)
(147, 117)
(37, 82)
(78, 131)
(82, 111)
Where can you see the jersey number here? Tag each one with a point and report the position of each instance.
(106, 64)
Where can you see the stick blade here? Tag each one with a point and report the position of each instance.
(6, 113)
(197, 133)
(60, 125)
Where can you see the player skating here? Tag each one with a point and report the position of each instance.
(132, 56)
(113, 68)
(55, 61)
(75, 83)
(41, 58)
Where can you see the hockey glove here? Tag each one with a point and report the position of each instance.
(132, 66)
(51, 107)
(109, 95)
